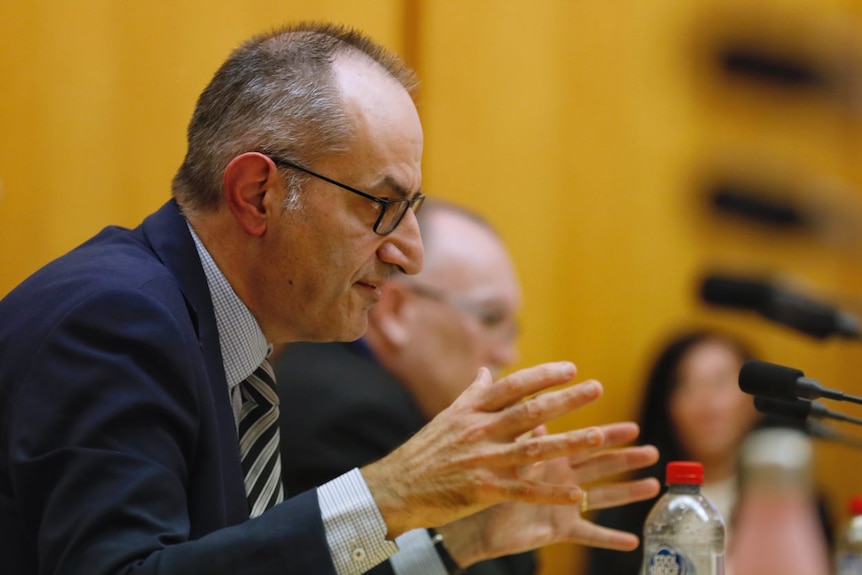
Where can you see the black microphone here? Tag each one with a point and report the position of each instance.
(779, 305)
(745, 200)
(779, 382)
(801, 411)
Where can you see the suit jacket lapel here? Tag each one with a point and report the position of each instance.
(168, 234)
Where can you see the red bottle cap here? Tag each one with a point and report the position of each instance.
(686, 472)
(855, 504)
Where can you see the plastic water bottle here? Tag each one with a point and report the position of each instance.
(683, 533)
(848, 551)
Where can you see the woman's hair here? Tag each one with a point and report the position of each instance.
(654, 418)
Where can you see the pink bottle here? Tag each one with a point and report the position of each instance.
(776, 529)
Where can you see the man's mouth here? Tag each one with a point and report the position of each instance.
(371, 286)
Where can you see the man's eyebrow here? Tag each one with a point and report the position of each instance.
(397, 188)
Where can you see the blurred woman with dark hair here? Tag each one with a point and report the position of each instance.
(692, 409)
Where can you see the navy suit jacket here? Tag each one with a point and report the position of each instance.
(118, 448)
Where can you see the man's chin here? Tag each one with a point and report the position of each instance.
(360, 330)
(350, 331)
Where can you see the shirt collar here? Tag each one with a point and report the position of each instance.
(243, 345)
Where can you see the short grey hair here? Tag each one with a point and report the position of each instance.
(275, 94)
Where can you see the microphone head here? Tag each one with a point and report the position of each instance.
(797, 410)
(807, 316)
(751, 201)
(779, 305)
(734, 292)
(769, 380)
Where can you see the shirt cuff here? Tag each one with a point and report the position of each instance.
(416, 555)
(355, 530)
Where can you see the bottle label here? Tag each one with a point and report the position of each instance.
(849, 564)
(668, 561)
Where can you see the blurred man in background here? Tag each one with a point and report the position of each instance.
(347, 404)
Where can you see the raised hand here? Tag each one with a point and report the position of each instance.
(478, 453)
(514, 527)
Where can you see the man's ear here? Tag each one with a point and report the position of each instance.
(391, 314)
(247, 179)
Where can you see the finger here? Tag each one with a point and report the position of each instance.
(616, 434)
(533, 449)
(592, 535)
(525, 382)
(538, 431)
(620, 433)
(540, 493)
(623, 493)
(614, 462)
(533, 471)
(528, 414)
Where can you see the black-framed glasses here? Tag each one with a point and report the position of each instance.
(391, 211)
(493, 319)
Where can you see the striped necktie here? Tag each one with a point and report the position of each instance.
(258, 440)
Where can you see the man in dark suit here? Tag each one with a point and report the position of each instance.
(348, 404)
(138, 416)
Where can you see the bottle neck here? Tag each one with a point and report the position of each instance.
(684, 488)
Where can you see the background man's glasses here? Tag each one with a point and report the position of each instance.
(495, 321)
(391, 211)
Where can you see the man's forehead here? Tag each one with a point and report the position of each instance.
(358, 76)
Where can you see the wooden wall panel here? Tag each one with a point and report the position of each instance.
(586, 131)
(96, 98)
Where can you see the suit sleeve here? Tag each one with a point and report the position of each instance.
(107, 444)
